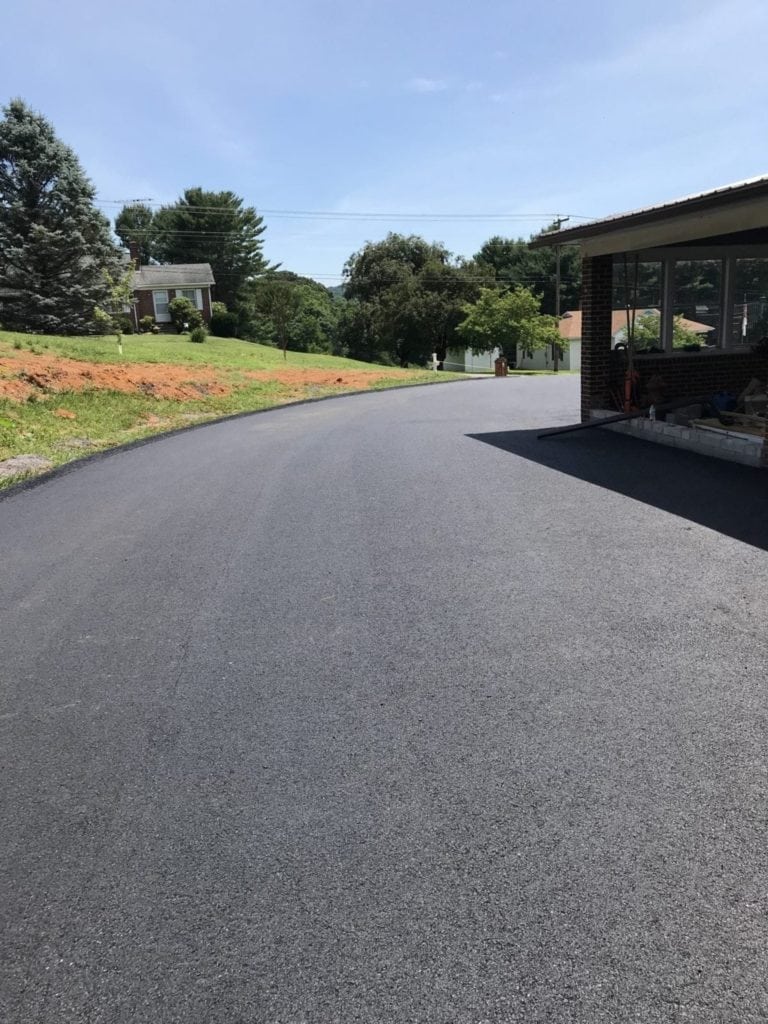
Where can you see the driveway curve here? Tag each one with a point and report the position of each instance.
(379, 710)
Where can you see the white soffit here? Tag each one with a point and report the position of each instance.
(682, 227)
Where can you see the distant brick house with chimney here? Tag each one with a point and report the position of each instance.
(154, 287)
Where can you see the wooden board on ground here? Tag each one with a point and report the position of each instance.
(743, 430)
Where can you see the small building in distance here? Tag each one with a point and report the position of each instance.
(155, 286)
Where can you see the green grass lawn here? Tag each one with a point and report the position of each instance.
(177, 348)
(62, 425)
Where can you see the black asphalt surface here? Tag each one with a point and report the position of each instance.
(380, 710)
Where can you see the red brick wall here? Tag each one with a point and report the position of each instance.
(695, 374)
(146, 306)
(206, 295)
(597, 307)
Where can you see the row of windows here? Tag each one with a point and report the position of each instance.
(160, 299)
(693, 303)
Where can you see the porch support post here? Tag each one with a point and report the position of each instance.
(596, 309)
(667, 306)
(727, 294)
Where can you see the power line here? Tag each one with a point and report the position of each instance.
(343, 215)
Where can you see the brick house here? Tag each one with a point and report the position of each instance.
(155, 286)
(703, 257)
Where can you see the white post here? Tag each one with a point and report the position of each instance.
(434, 361)
(727, 299)
(667, 305)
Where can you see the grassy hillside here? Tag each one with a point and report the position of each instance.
(61, 398)
(177, 348)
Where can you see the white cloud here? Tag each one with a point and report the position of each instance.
(427, 85)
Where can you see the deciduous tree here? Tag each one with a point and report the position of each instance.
(115, 312)
(508, 321)
(279, 301)
(411, 294)
(647, 332)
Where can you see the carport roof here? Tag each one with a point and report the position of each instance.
(741, 206)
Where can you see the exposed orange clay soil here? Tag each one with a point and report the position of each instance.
(30, 374)
(35, 374)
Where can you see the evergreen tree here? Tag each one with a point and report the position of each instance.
(514, 265)
(215, 228)
(55, 246)
(134, 223)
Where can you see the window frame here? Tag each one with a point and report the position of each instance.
(196, 300)
(727, 256)
(161, 318)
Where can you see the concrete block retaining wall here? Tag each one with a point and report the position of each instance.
(720, 444)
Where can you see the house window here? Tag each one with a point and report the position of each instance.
(160, 300)
(696, 303)
(637, 299)
(750, 301)
(195, 296)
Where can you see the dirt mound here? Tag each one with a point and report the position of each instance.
(32, 374)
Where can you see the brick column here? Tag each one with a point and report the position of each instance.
(596, 308)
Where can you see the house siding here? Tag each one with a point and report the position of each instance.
(541, 359)
(146, 307)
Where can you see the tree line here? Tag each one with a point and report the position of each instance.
(402, 298)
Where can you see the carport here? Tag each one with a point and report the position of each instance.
(703, 258)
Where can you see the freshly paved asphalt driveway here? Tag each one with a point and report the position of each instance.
(381, 710)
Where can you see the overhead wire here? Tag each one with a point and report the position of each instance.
(340, 214)
(328, 215)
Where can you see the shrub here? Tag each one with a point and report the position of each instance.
(124, 323)
(218, 307)
(198, 335)
(184, 315)
(224, 325)
(146, 324)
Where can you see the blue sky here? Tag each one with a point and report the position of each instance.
(518, 108)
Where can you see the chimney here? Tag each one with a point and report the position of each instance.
(133, 248)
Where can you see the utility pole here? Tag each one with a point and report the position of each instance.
(555, 347)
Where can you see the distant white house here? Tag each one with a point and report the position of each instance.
(462, 360)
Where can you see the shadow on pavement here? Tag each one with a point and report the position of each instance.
(723, 496)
